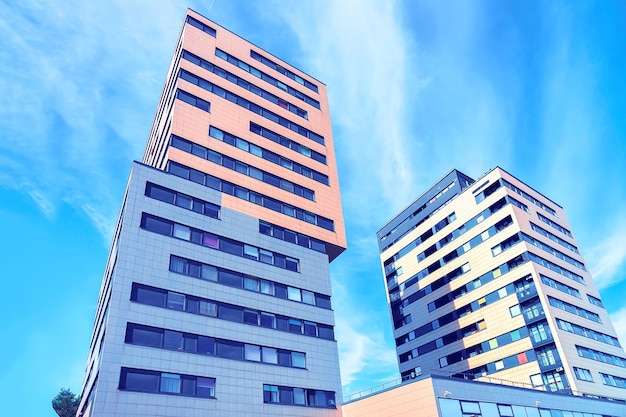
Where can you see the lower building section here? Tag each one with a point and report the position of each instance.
(439, 396)
(201, 311)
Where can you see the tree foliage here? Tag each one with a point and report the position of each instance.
(65, 403)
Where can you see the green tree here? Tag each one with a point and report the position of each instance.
(65, 403)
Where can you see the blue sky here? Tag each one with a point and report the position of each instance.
(416, 88)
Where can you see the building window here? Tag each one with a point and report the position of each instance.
(166, 383)
(583, 374)
(273, 394)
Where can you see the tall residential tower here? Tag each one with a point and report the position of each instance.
(485, 280)
(216, 296)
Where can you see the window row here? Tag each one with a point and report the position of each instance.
(540, 332)
(276, 394)
(596, 355)
(465, 289)
(518, 204)
(414, 214)
(267, 155)
(588, 333)
(223, 244)
(445, 279)
(554, 267)
(143, 380)
(198, 24)
(553, 251)
(226, 187)
(290, 236)
(443, 341)
(289, 74)
(182, 200)
(193, 100)
(247, 104)
(241, 167)
(456, 314)
(554, 225)
(553, 237)
(506, 244)
(533, 310)
(183, 302)
(486, 346)
(244, 84)
(612, 380)
(287, 143)
(494, 208)
(138, 334)
(528, 197)
(238, 280)
(470, 244)
(552, 381)
(548, 356)
(265, 77)
(457, 408)
(504, 363)
(423, 237)
(570, 308)
(488, 191)
(483, 279)
(559, 286)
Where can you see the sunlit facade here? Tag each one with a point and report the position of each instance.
(485, 281)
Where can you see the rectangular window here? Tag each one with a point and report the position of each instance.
(205, 387)
(232, 313)
(270, 355)
(139, 380)
(170, 383)
(173, 340)
(268, 320)
(294, 294)
(253, 353)
(175, 301)
(230, 349)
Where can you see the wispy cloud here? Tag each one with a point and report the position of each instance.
(70, 100)
(362, 52)
(362, 348)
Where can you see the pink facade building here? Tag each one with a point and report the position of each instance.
(216, 296)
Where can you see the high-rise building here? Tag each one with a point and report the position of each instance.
(485, 281)
(216, 296)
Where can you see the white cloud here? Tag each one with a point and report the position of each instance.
(365, 357)
(607, 259)
(75, 76)
(361, 51)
